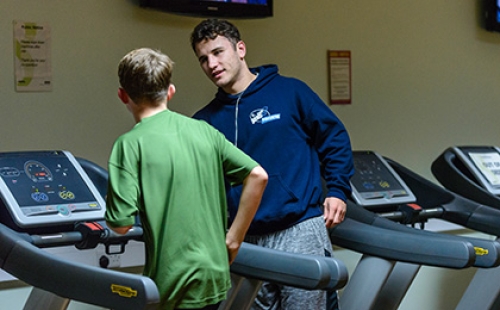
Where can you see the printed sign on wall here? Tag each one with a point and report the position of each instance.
(32, 61)
(339, 67)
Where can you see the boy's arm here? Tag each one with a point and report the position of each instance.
(251, 195)
(119, 230)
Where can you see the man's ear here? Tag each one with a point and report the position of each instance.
(171, 91)
(241, 49)
(122, 94)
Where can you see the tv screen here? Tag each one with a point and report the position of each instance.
(214, 8)
(492, 15)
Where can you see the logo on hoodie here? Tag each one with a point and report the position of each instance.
(262, 116)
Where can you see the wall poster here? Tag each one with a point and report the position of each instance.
(339, 68)
(32, 60)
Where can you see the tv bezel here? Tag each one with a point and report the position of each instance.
(204, 8)
(491, 11)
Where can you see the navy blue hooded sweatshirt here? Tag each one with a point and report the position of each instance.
(283, 125)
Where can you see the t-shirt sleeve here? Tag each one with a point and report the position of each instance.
(123, 189)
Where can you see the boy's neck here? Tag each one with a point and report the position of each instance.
(143, 111)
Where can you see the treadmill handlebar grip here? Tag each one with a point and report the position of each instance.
(488, 249)
(485, 219)
(309, 272)
(86, 236)
(8, 240)
(97, 232)
(412, 247)
(419, 216)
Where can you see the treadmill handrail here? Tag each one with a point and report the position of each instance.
(488, 251)
(406, 245)
(458, 209)
(252, 261)
(75, 238)
(102, 287)
(315, 272)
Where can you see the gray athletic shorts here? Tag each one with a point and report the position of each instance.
(308, 237)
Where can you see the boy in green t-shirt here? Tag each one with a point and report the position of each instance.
(170, 170)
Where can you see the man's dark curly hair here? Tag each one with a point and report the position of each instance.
(209, 29)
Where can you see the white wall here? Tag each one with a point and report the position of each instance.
(425, 76)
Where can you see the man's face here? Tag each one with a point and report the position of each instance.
(221, 61)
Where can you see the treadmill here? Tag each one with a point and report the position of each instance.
(385, 196)
(473, 172)
(51, 199)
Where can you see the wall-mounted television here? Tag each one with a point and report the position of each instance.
(214, 8)
(492, 15)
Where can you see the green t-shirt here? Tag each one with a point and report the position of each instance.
(169, 169)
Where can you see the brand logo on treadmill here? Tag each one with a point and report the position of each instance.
(262, 116)
(481, 251)
(123, 291)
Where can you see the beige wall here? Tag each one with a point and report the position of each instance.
(425, 75)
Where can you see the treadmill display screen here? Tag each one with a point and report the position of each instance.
(47, 187)
(375, 182)
(484, 163)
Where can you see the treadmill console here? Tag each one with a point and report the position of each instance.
(375, 183)
(483, 162)
(42, 188)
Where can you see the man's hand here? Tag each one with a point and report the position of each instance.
(334, 211)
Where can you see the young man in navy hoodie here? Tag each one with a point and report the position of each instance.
(282, 124)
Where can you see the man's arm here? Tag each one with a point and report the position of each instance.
(331, 141)
(251, 195)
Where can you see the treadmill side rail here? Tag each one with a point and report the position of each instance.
(315, 272)
(88, 284)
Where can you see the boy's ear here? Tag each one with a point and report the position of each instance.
(171, 91)
(122, 94)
